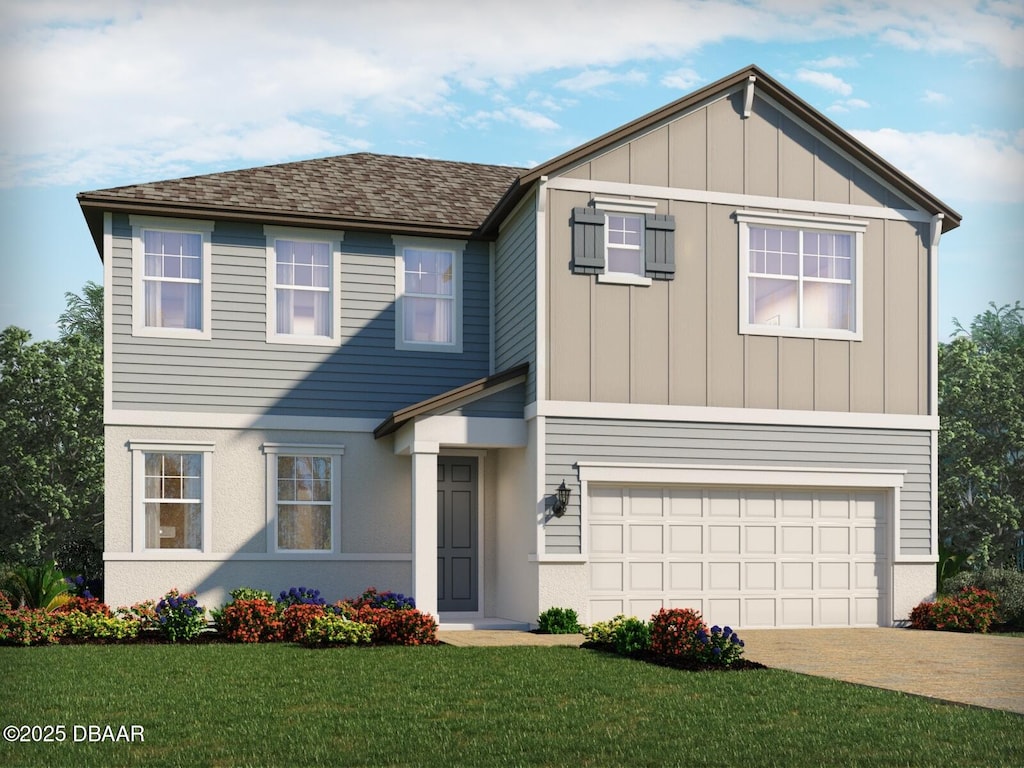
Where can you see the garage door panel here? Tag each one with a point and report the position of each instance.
(834, 576)
(686, 539)
(723, 539)
(724, 611)
(646, 577)
(686, 577)
(646, 538)
(796, 540)
(766, 557)
(797, 575)
(834, 541)
(834, 611)
(759, 540)
(607, 577)
(722, 576)
(760, 576)
(606, 539)
(685, 502)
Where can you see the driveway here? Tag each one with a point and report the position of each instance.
(980, 670)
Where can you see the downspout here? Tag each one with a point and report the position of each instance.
(933, 373)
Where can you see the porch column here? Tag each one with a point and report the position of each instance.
(424, 526)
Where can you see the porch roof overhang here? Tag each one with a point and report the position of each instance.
(453, 398)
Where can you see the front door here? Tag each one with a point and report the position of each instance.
(457, 527)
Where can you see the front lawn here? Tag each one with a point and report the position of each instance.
(280, 704)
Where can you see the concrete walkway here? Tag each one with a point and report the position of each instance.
(980, 670)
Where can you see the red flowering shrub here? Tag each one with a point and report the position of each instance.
(90, 606)
(921, 617)
(29, 626)
(969, 610)
(674, 632)
(250, 621)
(398, 627)
(296, 619)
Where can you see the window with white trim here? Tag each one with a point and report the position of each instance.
(303, 497)
(624, 247)
(428, 294)
(800, 276)
(171, 277)
(171, 495)
(301, 286)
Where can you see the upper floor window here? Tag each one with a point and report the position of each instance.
(171, 277)
(428, 294)
(623, 241)
(301, 287)
(800, 276)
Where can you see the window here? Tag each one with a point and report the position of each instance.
(172, 489)
(300, 286)
(171, 277)
(304, 497)
(624, 246)
(623, 241)
(428, 294)
(800, 276)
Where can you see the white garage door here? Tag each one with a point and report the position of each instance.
(743, 557)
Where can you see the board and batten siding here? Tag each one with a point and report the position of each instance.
(569, 441)
(238, 371)
(678, 342)
(515, 294)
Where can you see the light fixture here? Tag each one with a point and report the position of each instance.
(561, 502)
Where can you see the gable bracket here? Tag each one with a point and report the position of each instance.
(748, 100)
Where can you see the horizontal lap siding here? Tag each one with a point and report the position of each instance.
(573, 440)
(515, 299)
(237, 371)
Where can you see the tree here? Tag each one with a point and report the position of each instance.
(51, 454)
(981, 438)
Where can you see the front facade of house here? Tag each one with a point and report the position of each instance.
(715, 324)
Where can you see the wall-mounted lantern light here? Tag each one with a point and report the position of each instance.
(561, 502)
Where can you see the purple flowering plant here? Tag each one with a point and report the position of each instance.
(300, 596)
(179, 616)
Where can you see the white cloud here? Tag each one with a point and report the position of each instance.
(594, 79)
(522, 117)
(824, 80)
(972, 167)
(845, 105)
(87, 83)
(683, 79)
(833, 62)
(933, 97)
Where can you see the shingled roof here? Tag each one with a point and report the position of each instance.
(357, 191)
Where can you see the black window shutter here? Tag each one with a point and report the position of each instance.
(587, 241)
(659, 246)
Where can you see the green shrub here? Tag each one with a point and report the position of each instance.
(29, 626)
(36, 586)
(247, 593)
(179, 616)
(1006, 583)
(331, 629)
(250, 621)
(559, 621)
(78, 626)
(603, 632)
(631, 636)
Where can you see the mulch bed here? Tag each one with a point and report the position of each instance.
(688, 665)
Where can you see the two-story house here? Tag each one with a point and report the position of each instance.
(712, 329)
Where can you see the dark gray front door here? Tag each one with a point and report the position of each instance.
(457, 521)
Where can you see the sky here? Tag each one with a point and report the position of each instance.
(96, 94)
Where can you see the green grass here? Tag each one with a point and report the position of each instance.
(236, 705)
